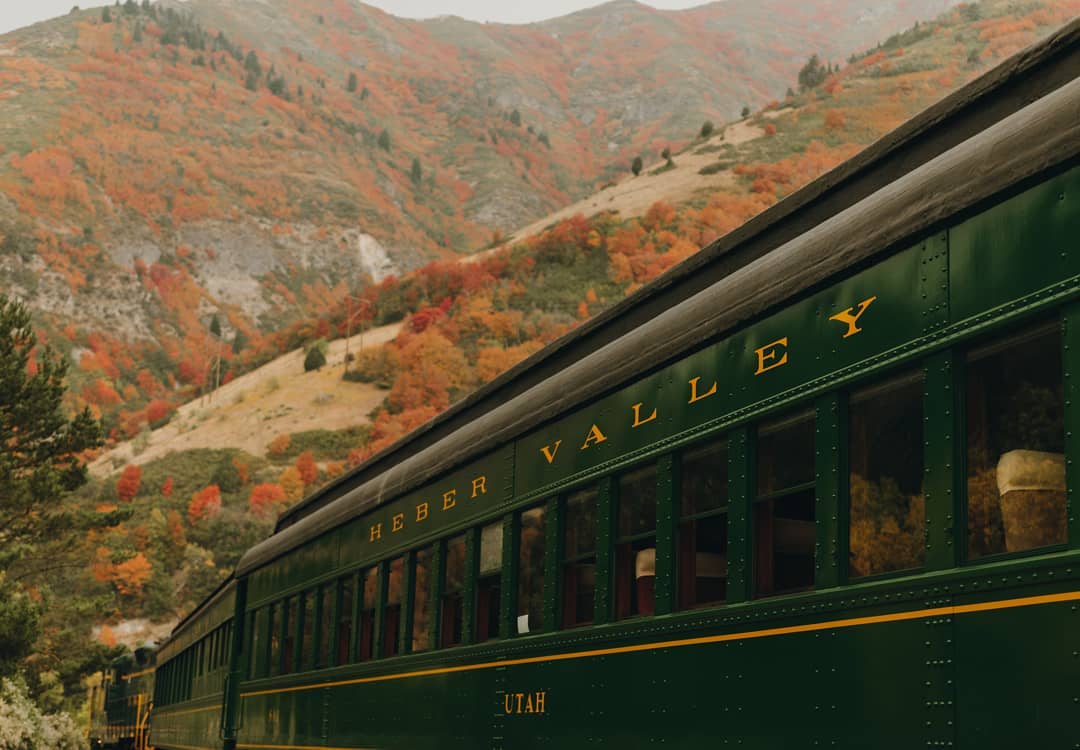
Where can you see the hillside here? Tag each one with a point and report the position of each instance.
(254, 161)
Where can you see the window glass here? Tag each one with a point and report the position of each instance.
(326, 611)
(254, 625)
(489, 584)
(345, 615)
(274, 642)
(579, 561)
(453, 591)
(885, 460)
(288, 645)
(702, 542)
(391, 626)
(784, 531)
(530, 603)
(365, 635)
(307, 605)
(635, 548)
(1016, 444)
(421, 624)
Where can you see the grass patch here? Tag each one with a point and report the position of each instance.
(326, 445)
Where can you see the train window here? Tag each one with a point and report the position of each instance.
(273, 641)
(290, 624)
(365, 634)
(421, 613)
(635, 545)
(489, 583)
(453, 588)
(579, 558)
(391, 625)
(784, 531)
(344, 617)
(1016, 496)
(306, 612)
(702, 536)
(530, 599)
(322, 648)
(885, 460)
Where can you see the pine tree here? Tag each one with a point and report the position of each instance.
(813, 74)
(106, 16)
(352, 84)
(745, 112)
(707, 128)
(515, 118)
(39, 456)
(636, 166)
(416, 174)
(384, 140)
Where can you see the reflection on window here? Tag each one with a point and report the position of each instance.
(369, 601)
(579, 560)
(489, 584)
(273, 654)
(307, 641)
(453, 591)
(391, 625)
(530, 603)
(421, 623)
(702, 549)
(888, 512)
(1016, 444)
(784, 532)
(288, 646)
(345, 614)
(325, 626)
(635, 547)
(255, 627)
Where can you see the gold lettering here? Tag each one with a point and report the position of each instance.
(376, 532)
(508, 703)
(595, 437)
(529, 705)
(449, 500)
(540, 701)
(479, 486)
(767, 353)
(694, 394)
(638, 421)
(399, 523)
(850, 316)
(549, 452)
(519, 696)
(421, 512)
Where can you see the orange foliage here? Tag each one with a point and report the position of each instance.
(167, 488)
(206, 503)
(309, 470)
(279, 446)
(292, 483)
(264, 497)
(129, 576)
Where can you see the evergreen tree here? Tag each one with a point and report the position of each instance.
(106, 16)
(39, 456)
(636, 166)
(215, 327)
(707, 128)
(384, 140)
(251, 64)
(813, 74)
(416, 174)
(314, 359)
(515, 118)
(352, 84)
(745, 112)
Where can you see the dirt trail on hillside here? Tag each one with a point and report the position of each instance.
(633, 196)
(252, 410)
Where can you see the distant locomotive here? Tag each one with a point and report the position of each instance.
(814, 487)
(120, 705)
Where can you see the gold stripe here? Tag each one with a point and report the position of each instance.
(167, 712)
(241, 746)
(1028, 601)
(184, 747)
(133, 675)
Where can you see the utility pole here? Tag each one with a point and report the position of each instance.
(348, 325)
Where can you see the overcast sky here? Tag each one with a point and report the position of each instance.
(17, 13)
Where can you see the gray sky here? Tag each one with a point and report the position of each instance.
(17, 13)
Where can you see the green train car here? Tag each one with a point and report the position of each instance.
(815, 487)
(120, 703)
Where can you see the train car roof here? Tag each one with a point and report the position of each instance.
(1015, 122)
(222, 589)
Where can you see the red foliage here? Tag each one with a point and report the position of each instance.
(167, 488)
(206, 503)
(309, 470)
(127, 487)
(264, 497)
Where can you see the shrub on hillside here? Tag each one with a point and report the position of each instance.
(315, 358)
(23, 725)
